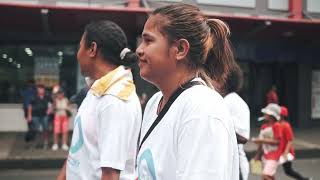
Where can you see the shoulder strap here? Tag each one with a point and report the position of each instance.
(166, 107)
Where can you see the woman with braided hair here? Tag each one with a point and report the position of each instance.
(107, 124)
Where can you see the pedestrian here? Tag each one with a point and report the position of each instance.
(272, 96)
(107, 124)
(28, 94)
(240, 114)
(38, 114)
(270, 141)
(288, 154)
(60, 121)
(186, 131)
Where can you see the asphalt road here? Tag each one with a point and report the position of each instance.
(308, 167)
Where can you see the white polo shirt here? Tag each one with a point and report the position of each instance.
(195, 140)
(105, 134)
(240, 114)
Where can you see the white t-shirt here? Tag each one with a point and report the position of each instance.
(105, 135)
(195, 140)
(240, 114)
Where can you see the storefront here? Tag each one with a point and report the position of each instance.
(40, 42)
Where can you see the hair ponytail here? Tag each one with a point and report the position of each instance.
(129, 59)
(111, 41)
(220, 59)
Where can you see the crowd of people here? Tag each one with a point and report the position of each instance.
(195, 127)
(46, 111)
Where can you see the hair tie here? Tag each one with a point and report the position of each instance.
(124, 52)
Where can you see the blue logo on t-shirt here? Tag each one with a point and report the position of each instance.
(75, 147)
(146, 160)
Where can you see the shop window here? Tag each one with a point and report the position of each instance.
(278, 5)
(313, 6)
(236, 3)
(41, 64)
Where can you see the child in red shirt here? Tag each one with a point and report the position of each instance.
(288, 151)
(270, 141)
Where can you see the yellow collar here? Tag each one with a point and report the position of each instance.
(118, 82)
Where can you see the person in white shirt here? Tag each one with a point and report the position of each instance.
(186, 133)
(240, 114)
(107, 124)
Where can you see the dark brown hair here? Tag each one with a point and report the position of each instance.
(111, 40)
(234, 82)
(210, 51)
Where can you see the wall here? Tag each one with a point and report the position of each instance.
(12, 118)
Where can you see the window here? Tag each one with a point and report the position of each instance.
(237, 3)
(313, 6)
(44, 64)
(278, 5)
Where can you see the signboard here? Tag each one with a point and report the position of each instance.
(315, 95)
(46, 70)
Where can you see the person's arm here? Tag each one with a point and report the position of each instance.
(258, 153)
(110, 174)
(62, 173)
(117, 131)
(287, 150)
(29, 117)
(241, 139)
(270, 141)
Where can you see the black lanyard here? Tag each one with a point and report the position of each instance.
(166, 107)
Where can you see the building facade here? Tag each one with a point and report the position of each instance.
(275, 41)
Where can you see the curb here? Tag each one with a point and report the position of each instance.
(31, 163)
(57, 163)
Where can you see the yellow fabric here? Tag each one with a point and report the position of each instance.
(255, 167)
(118, 83)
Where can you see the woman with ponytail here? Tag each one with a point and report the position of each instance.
(186, 131)
(107, 124)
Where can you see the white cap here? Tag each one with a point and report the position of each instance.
(272, 109)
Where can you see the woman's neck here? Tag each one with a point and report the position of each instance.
(102, 68)
(169, 85)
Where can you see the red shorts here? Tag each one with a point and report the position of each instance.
(60, 124)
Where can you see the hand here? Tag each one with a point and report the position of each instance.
(256, 140)
(285, 156)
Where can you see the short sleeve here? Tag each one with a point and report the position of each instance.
(115, 124)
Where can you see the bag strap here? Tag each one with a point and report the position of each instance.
(166, 107)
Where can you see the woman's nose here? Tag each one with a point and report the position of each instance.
(139, 51)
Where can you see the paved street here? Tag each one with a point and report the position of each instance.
(308, 167)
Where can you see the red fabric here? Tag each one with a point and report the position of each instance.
(60, 124)
(272, 152)
(272, 97)
(284, 111)
(287, 136)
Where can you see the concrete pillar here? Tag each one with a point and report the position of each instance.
(295, 9)
(133, 3)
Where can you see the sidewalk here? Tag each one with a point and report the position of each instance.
(15, 153)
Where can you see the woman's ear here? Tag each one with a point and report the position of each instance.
(183, 47)
(93, 49)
